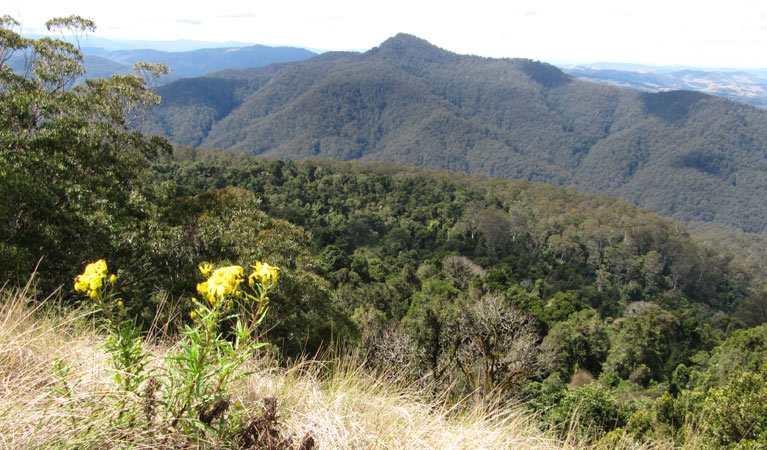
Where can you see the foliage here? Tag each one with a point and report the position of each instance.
(580, 341)
(642, 343)
(736, 412)
(70, 155)
(592, 409)
(743, 350)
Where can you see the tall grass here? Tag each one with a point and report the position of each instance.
(54, 380)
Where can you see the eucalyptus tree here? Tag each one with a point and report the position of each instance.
(71, 152)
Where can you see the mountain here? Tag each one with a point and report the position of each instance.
(749, 87)
(100, 63)
(199, 62)
(684, 154)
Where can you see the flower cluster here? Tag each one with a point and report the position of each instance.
(222, 282)
(92, 279)
(264, 273)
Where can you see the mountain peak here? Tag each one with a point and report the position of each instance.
(404, 39)
(407, 46)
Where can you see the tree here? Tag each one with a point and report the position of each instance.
(70, 155)
(580, 341)
(643, 340)
(499, 346)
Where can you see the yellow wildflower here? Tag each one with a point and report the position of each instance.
(264, 273)
(119, 303)
(113, 279)
(92, 278)
(223, 281)
(193, 314)
(205, 268)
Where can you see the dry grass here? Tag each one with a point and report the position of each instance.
(53, 379)
(341, 405)
(344, 407)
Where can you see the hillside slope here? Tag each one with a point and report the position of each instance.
(683, 154)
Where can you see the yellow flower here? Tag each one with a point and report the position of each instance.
(264, 273)
(119, 303)
(222, 282)
(113, 279)
(205, 268)
(92, 278)
(193, 314)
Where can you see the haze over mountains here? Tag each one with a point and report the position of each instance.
(745, 86)
(684, 154)
(105, 57)
(194, 63)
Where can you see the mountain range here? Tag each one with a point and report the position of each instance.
(102, 63)
(105, 57)
(684, 154)
(745, 86)
(194, 63)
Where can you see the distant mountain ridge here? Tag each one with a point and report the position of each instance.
(199, 62)
(177, 45)
(684, 154)
(745, 86)
(119, 57)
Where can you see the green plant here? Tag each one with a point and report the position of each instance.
(123, 343)
(193, 390)
(736, 413)
(206, 362)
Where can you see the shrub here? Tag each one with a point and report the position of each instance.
(736, 413)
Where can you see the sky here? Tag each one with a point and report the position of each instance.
(699, 33)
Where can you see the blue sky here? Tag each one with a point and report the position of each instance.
(700, 33)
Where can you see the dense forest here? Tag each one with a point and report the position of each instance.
(601, 316)
(683, 154)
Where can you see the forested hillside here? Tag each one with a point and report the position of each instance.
(683, 154)
(504, 288)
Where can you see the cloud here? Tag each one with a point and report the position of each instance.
(189, 21)
(240, 16)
